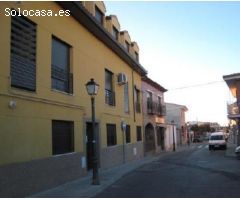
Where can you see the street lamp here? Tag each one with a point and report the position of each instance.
(174, 148)
(92, 89)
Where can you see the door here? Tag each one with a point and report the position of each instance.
(149, 138)
(162, 130)
(89, 144)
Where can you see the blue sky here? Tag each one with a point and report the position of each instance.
(185, 44)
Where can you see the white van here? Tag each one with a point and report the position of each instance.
(217, 140)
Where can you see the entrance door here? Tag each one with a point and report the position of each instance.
(160, 137)
(89, 144)
(162, 130)
(149, 138)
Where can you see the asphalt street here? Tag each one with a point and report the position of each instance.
(194, 172)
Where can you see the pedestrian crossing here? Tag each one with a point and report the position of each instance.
(202, 146)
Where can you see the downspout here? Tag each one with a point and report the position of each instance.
(134, 114)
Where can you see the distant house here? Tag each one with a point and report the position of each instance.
(233, 82)
(154, 112)
(176, 115)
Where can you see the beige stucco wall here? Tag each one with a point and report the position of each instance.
(26, 130)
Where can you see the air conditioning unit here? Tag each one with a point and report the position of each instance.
(122, 79)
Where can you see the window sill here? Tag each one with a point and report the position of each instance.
(61, 92)
(110, 106)
(16, 90)
(112, 146)
(64, 154)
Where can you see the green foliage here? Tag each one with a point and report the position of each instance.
(202, 128)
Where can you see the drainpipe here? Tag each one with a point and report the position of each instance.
(134, 114)
(123, 126)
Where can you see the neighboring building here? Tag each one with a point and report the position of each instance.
(154, 111)
(176, 115)
(45, 111)
(204, 129)
(212, 125)
(233, 82)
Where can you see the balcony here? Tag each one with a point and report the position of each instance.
(109, 97)
(232, 109)
(161, 110)
(155, 108)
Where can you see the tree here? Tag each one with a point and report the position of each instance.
(194, 128)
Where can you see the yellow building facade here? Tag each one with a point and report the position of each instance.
(36, 105)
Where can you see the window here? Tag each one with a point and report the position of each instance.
(127, 46)
(62, 137)
(61, 76)
(126, 98)
(99, 15)
(111, 135)
(128, 134)
(159, 105)
(23, 53)
(137, 100)
(159, 100)
(149, 102)
(109, 93)
(139, 133)
(136, 56)
(115, 33)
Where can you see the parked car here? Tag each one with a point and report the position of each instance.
(237, 152)
(197, 139)
(217, 140)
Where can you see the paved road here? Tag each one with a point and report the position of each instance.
(195, 172)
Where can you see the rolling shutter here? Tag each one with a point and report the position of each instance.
(23, 53)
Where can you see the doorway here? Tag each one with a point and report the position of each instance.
(149, 138)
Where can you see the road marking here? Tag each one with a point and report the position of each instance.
(206, 146)
(200, 146)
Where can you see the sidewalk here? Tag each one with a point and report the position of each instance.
(231, 149)
(82, 188)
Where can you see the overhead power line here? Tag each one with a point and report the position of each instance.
(196, 85)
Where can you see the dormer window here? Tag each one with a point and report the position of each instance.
(115, 33)
(136, 56)
(99, 15)
(127, 45)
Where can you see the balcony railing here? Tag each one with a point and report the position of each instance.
(61, 79)
(109, 97)
(233, 109)
(156, 108)
(161, 110)
(137, 107)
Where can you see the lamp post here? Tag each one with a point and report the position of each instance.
(92, 89)
(174, 148)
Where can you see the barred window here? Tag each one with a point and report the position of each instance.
(128, 134)
(109, 93)
(111, 135)
(61, 76)
(139, 133)
(62, 137)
